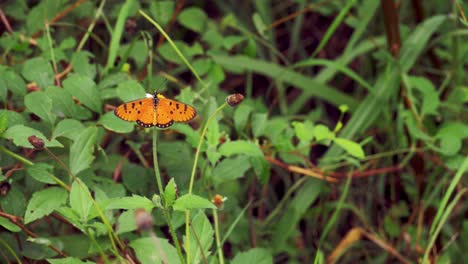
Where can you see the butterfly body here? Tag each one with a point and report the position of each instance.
(157, 110)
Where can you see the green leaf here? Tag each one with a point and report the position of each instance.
(162, 11)
(81, 151)
(132, 202)
(117, 34)
(430, 96)
(112, 80)
(257, 159)
(154, 250)
(170, 193)
(201, 238)
(259, 24)
(240, 147)
(304, 131)
(450, 145)
(255, 255)
(41, 105)
(230, 41)
(230, 169)
(213, 38)
(69, 260)
(19, 134)
(13, 118)
(64, 106)
(126, 222)
(259, 121)
(191, 201)
(45, 202)
(216, 74)
(451, 136)
(9, 225)
(321, 132)
(130, 90)
(111, 122)
(250, 49)
(3, 88)
(193, 18)
(202, 66)
(71, 216)
(81, 64)
(40, 71)
(3, 122)
(80, 200)
(13, 82)
(85, 90)
(241, 116)
(68, 128)
(168, 52)
(353, 148)
(41, 172)
(14, 202)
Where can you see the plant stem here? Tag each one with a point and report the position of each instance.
(161, 194)
(16, 156)
(112, 235)
(192, 178)
(218, 243)
(179, 53)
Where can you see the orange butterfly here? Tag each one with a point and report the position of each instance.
(156, 110)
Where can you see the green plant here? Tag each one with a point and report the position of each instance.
(348, 136)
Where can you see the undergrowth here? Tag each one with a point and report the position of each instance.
(327, 132)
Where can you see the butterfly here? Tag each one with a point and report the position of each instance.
(155, 110)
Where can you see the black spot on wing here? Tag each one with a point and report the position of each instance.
(165, 125)
(143, 124)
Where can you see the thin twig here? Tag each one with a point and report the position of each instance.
(16, 221)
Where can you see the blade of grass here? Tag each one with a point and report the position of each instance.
(328, 73)
(91, 26)
(445, 210)
(182, 57)
(340, 67)
(334, 217)
(309, 86)
(387, 83)
(448, 194)
(117, 35)
(352, 50)
(165, 210)
(192, 177)
(338, 20)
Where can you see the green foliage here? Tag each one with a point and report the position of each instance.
(379, 123)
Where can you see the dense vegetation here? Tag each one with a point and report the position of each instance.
(349, 145)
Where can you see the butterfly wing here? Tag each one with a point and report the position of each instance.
(168, 111)
(141, 111)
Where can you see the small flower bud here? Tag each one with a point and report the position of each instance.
(143, 219)
(234, 99)
(218, 200)
(36, 142)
